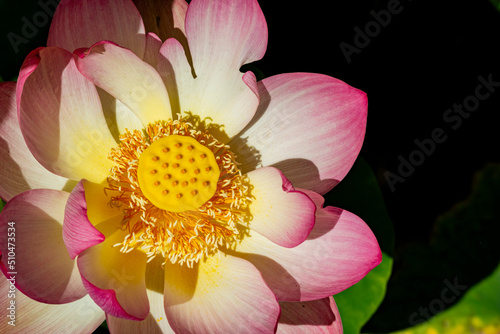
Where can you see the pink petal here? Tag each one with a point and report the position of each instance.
(225, 33)
(310, 126)
(107, 300)
(19, 170)
(225, 294)
(122, 74)
(317, 316)
(156, 321)
(32, 224)
(279, 212)
(223, 95)
(222, 36)
(318, 200)
(340, 250)
(62, 120)
(78, 231)
(80, 24)
(32, 317)
(29, 65)
(164, 18)
(115, 280)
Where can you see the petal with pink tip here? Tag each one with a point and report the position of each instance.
(310, 126)
(279, 212)
(62, 121)
(32, 222)
(86, 207)
(164, 18)
(32, 317)
(315, 317)
(340, 250)
(129, 79)
(225, 33)
(156, 322)
(80, 24)
(222, 36)
(118, 288)
(221, 295)
(115, 280)
(29, 65)
(318, 200)
(19, 170)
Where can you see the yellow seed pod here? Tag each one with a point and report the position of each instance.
(177, 173)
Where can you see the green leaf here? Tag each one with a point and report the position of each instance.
(360, 194)
(466, 236)
(477, 312)
(496, 3)
(2, 204)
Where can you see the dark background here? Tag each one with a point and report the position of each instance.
(427, 59)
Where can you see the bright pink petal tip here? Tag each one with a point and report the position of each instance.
(251, 81)
(106, 299)
(83, 52)
(78, 232)
(279, 212)
(340, 250)
(235, 31)
(29, 65)
(31, 228)
(310, 126)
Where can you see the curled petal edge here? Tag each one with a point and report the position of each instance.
(78, 232)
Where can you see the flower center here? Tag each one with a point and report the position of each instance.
(182, 194)
(176, 173)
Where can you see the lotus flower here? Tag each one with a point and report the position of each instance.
(150, 182)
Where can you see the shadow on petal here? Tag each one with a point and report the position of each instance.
(325, 222)
(155, 275)
(15, 180)
(305, 174)
(286, 285)
(313, 313)
(45, 272)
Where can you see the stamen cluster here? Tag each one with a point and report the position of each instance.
(180, 237)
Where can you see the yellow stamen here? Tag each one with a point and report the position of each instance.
(191, 222)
